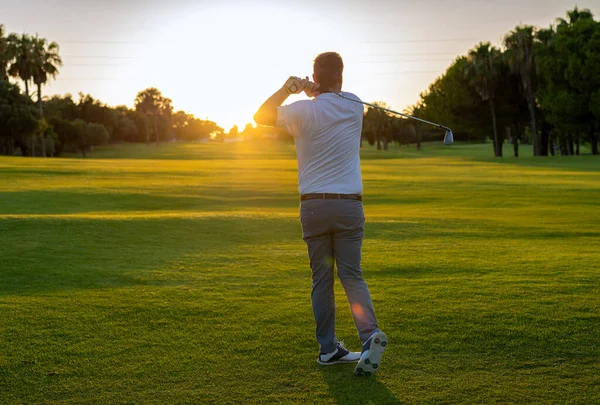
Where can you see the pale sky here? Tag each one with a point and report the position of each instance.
(221, 59)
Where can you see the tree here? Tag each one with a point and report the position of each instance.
(451, 100)
(580, 38)
(92, 110)
(62, 106)
(520, 55)
(149, 101)
(544, 71)
(21, 49)
(482, 71)
(165, 108)
(66, 133)
(19, 120)
(567, 60)
(249, 132)
(377, 126)
(50, 138)
(202, 129)
(45, 64)
(88, 135)
(5, 56)
(574, 16)
(59, 112)
(180, 122)
(234, 132)
(125, 128)
(96, 134)
(511, 106)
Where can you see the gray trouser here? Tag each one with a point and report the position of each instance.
(333, 231)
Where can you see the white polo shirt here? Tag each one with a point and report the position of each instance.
(327, 132)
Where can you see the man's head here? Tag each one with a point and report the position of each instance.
(328, 69)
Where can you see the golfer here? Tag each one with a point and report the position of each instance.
(327, 131)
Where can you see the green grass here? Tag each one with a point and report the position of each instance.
(184, 279)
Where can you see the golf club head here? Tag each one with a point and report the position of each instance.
(449, 138)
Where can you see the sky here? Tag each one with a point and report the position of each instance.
(221, 59)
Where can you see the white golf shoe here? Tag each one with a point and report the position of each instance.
(339, 355)
(372, 350)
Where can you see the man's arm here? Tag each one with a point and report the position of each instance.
(267, 113)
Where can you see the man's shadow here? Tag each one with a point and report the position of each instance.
(346, 388)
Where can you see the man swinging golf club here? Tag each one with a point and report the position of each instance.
(327, 131)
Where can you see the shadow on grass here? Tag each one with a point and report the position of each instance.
(193, 151)
(478, 153)
(584, 163)
(196, 199)
(476, 229)
(41, 255)
(47, 255)
(349, 389)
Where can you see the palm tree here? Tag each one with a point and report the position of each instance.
(20, 53)
(5, 56)
(482, 71)
(21, 48)
(520, 54)
(46, 62)
(575, 15)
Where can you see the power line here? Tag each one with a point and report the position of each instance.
(418, 40)
(376, 41)
(96, 65)
(412, 54)
(86, 79)
(404, 60)
(100, 57)
(407, 72)
(113, 42)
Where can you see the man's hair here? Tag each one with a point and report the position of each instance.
(328, 68)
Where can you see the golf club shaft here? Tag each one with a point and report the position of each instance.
(394, 112)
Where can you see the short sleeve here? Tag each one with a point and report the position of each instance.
(295, 117)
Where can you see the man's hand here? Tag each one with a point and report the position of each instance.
(311, 89)
(267, 113)
(294, 85)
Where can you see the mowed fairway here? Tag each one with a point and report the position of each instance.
(184, 279)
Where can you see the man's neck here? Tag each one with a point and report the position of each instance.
(330, 90)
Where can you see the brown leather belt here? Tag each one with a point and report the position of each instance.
(329, 196)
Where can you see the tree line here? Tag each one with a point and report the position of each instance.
(50, 126)
(542, 87)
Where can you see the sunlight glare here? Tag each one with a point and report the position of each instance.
(221, 63)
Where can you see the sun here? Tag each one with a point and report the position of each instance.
(222, 62)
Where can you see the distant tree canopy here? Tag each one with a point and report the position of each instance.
(19, 119)
(61, 123)
(86, 135)
(542, 87)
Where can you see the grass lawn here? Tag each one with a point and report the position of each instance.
(184, 278)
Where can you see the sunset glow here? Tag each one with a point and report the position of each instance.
(220, 60)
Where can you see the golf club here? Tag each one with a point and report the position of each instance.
(448, 138)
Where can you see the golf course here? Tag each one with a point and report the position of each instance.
(178, 274)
